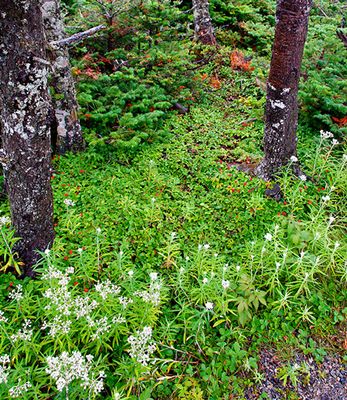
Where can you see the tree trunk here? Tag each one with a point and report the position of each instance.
(204, 31)
(65, 107)
(281, 118)
(24, 109)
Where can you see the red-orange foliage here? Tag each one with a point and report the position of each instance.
(238, 62)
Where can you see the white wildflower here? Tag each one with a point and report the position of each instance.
(199, 247)
(334, 142)
(326, 134)
(238, 268)
(153, 276)
(70, 270)
(206, 246)
(142, 347)
(125, 301)
(225, 284)
(303, 178)
(64, 369)
(268, 237)
(84, 306)
(153, 200)
(47, 252)
(131, 273)
(325, 198)
(4, 221)
(204, 281)
(18, 390)
(4, 368)
(25, 333)
(80, 250)
(152, 295)
(331, 219)
(209, 306)
(173, 235)
(16, 293)
(59, 325)
(107, 288)
(69, 202)
(101, 326)
(2, 317)
(118, 319)
(293, 159)
(98, 231)
(337, 245)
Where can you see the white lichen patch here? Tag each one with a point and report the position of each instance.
(271, 86)
(286, 90)
(277, 104)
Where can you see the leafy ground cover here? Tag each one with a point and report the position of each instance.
(172, 274)
(177, 244)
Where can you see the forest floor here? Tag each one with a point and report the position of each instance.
(252, 295)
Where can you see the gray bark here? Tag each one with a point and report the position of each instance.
(65, 106)
(281, 116)
(24, 107)
(204, 31)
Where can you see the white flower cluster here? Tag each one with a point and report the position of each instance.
(101, 326)
(4, 368)
(4, 221)
(2, 317)
(153, 293)
(141, 345)
(106, 288)
(83, 306)
(18, 390)
(209, 306)
(25, 333)
(62, 301)
(55, 273)
(16, 293)
(326, 134)
(59, 325)
(125, 301)
(118, 319)
(64, 369)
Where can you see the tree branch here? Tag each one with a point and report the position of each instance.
(77, 37)
(342, 36)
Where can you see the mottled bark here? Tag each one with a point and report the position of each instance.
(24, 107)
(281, 116)
(204, 31)
(65, 107)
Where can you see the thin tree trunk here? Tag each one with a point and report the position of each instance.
(281, 118)
(65, 107)
(204, 31)
(24, 109)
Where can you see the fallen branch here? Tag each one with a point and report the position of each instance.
(77, 37)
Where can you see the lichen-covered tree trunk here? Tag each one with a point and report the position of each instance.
(24, 109)
(65, 107)
(281, 116)
(204, 31)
